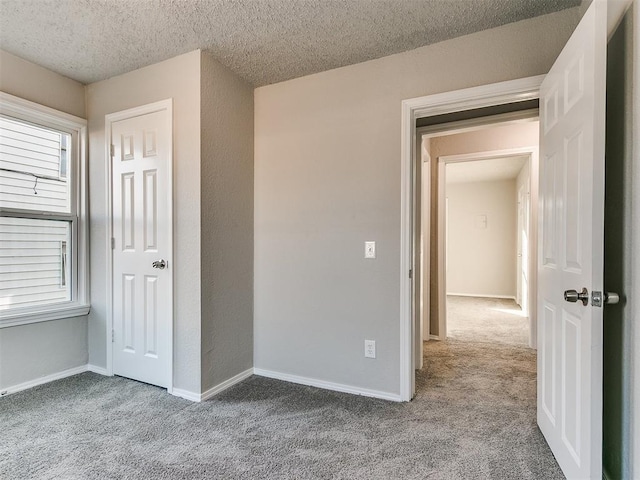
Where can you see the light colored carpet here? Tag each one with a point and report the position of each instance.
(496, 320)
(473, 418)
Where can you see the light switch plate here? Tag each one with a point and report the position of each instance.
(369, 249)
(481, 222)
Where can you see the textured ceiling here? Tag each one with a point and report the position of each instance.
(264, 41)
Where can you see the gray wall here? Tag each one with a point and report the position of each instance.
(177, 78)
(29, 352)
(327, 178)
(226, 237)
(620, 220)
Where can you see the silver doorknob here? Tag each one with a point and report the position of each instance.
(573, 296)
(161, 264)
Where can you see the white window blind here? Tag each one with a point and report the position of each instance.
(33, 270)
(34, 262)
(33, 167)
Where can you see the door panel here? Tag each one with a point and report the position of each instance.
(571, 235)
(142, 317)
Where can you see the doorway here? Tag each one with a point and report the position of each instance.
(572, 141)
(140, 315)
(485, 240)
(509, 98)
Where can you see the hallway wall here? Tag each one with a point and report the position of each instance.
(481, 239)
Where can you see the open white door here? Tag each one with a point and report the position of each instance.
(572, 139)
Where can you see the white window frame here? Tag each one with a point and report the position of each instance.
(79, 305)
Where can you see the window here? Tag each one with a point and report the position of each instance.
(43, 262)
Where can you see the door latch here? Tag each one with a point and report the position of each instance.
(598, 299)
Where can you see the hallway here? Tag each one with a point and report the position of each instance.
(481, 387)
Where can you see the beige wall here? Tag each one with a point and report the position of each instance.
(179, 79)
(485, 266)
(226, 190)
(28, 352)
(327, 178)
(38, 84)
(499, 137)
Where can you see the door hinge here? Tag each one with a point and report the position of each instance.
(113, 336)
(113, 150)
(113, 243)
(410, 273)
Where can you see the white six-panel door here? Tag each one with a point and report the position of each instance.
(141, 222)
(572, 134)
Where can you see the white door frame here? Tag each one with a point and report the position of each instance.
(163, 105)
(412, 109)
(422, 332)
(531, 152)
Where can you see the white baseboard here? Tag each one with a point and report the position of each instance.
(186, 394)
(221, 387)
(98, 370)
(42, 380)
(480, 295)
(336, 387)
(226, 384)
(197, 397)
(434, 337)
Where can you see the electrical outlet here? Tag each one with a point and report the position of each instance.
(370, 348)
(369, 249)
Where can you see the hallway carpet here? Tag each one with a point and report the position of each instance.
(473, 418)
(496, 320)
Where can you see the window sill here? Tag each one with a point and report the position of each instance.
(42, 314)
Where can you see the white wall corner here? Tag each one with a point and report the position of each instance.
(98, 370)
(221, 387)
(186, 394)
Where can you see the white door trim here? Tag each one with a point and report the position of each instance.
(412, 109)
(163, 105)
(532, 157)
